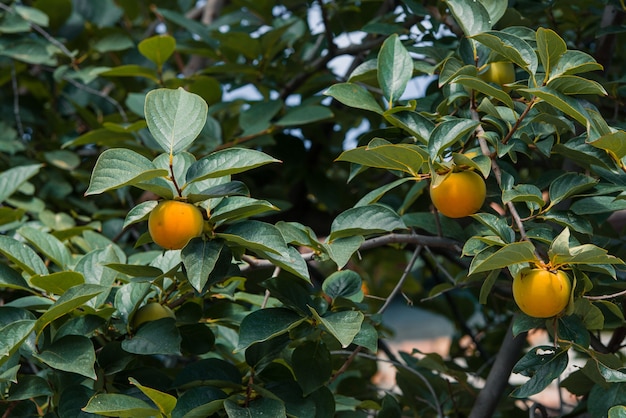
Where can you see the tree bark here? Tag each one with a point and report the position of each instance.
(498, 377)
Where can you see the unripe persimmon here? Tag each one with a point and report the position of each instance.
(460, 194)
(541, 293)
(500, 73)
(173, 223)
(151, 312)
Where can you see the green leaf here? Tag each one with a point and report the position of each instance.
(378, 193)
(354, 95)
(412, 122)
(341, 250)
(604, 397)
(200, 258)
(73, 298)
(48, 245)
(542, 364)
(57, 283)
(302, 115)
(239, 207)
(570, 106)
(164, 401)
(550, 47)
(524, 193)
(487, 285)
(71, 353)
(312, 365)
(13, 178)
(13, 335)
(155, 337)
(255, 236)
(175, 118)
(264, 324)
(119, 405)
(498, 225)
(515, 253)
(290, 261)
(569, 184)
(29, 387)
(597, 204)
(119, 167)
(11, 279)
(618, 411)
(585, 254)
(344, 283)
(32, 15)
(471, 16)
(571, 84)
(511, 47)
(22, 255)
(259, 407)
(614, 144)
(131, 70)
(367, 337)
(199, 402)
(228, 161)
(575, 62)
(487, 89)
(365, 220)
(448, 133)
(157, 49)
(343, 325)
(402, 157)
(395, 68)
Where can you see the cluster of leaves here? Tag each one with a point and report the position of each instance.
(107, 120)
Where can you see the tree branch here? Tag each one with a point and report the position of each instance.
(498, 377)
(393, 238)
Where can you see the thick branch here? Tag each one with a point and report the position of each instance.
(498, 377)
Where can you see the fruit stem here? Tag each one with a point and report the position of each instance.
(173, 177)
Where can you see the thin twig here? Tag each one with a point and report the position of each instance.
(403, 278)
(16, 102)
(411, 370)
(518, 122)
(393, 238)
(603, 297)
(495, 168)
(98, 93)
(43, 33)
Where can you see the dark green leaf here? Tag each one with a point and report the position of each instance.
(395, 69)
(515, 253)
(365, 220)
(542, 364)
(312, 365)
(155, 337)
(119, 405)
(200, 258)
(264, 324)
(72, 353)
(354, 95)
(448, 133)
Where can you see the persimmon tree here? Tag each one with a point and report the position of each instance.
(312, 175)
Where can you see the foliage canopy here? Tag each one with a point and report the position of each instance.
(302, 130)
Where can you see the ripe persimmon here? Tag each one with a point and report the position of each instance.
(459, 194)
(541, 293)
(173, 223)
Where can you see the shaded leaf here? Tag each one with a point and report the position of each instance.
(354, 95)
